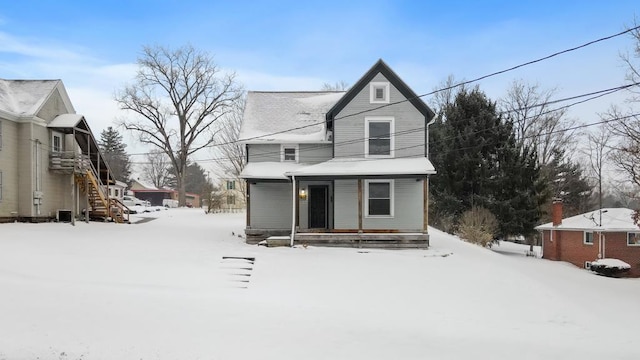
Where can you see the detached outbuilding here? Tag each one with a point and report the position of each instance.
(598, 234)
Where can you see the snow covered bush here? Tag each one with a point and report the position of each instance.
(478, 226)
(610, 267)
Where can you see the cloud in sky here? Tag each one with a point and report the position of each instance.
(300, 45)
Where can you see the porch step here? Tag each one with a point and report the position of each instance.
(365, 240)
(273, 241)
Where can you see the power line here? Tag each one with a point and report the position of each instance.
(443, 89)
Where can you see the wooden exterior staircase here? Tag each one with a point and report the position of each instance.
(102, 207)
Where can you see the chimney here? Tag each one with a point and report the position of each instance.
(556, 212)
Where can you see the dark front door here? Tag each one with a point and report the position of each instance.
(318, 206)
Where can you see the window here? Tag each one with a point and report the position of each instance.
(231, 185)
(56, 142)
(379, 198)
(379, 141)
(633, 239)
(379, 92)
(231, 200)
(289, 153)
(588, 237)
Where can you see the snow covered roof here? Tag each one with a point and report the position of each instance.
(146, 185)
(65, 121)
(25, 97)
(367, 167)
(613, 219)
(286, 117)
(269, 170)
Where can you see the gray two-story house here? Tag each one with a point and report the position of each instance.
(339, 168)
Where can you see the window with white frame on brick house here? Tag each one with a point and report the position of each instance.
(588, 237)
(633, 238)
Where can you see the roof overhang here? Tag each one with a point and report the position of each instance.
(367, 168)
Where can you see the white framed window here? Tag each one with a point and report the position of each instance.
(379, 139)
(231, 185)
(379, 92)
(289, 153)
(231, 200)
(588, 237)
(587, 265)
(56, 142)
(378, 198)
(633, 239)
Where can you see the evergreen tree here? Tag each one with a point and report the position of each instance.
(480, 163)
(113, 150)
(196, 181)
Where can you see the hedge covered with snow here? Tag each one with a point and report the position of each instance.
(610, 267)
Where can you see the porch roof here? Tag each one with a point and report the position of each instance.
(355, 167)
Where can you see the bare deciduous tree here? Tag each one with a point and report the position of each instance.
(536, 123)
(157, 169)
(337, 86)
(231, 154)
(597, 150)
(445, 93)
(177, 96)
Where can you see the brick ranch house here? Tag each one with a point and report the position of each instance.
(590, 236)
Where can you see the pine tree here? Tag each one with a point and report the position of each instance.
(113, 150)
(480, 163)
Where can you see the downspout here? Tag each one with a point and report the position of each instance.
(293, 208)
(37, 156)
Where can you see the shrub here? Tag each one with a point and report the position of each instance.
(478, 226)
(610, 267)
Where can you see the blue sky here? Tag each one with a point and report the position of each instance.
(299, 45)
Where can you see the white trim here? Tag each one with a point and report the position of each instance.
(60, 135)
(392, 142)
(584, 237)
(637, 235)
(391, 199)
(290, 146)
(372, 92)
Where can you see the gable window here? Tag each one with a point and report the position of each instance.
(56, 142)
(379, 92)
(231, 185)
(379, 198)
(588, 237)
(289, 153)
(379, 141)
(633, 239)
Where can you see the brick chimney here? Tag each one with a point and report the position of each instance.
(556, 212)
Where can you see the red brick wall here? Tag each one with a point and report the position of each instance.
(569, 246)
(616, 248)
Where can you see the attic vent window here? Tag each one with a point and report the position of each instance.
(379, 92)
(289, 153)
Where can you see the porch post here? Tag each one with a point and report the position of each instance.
(425, 198)
(293, 208)
(359, 205)
(86, 181)
(248, 204)
(74, 200)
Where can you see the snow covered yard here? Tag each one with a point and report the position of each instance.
(162, 290)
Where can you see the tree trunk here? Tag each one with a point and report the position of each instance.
(182, 199)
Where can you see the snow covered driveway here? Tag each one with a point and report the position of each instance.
(163, 290)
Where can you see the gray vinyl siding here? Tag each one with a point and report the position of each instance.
(270, 205)
(408, 206)
(315, 153)
(264, 152)
(308, 153)
(345, 204)
(349, 131)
